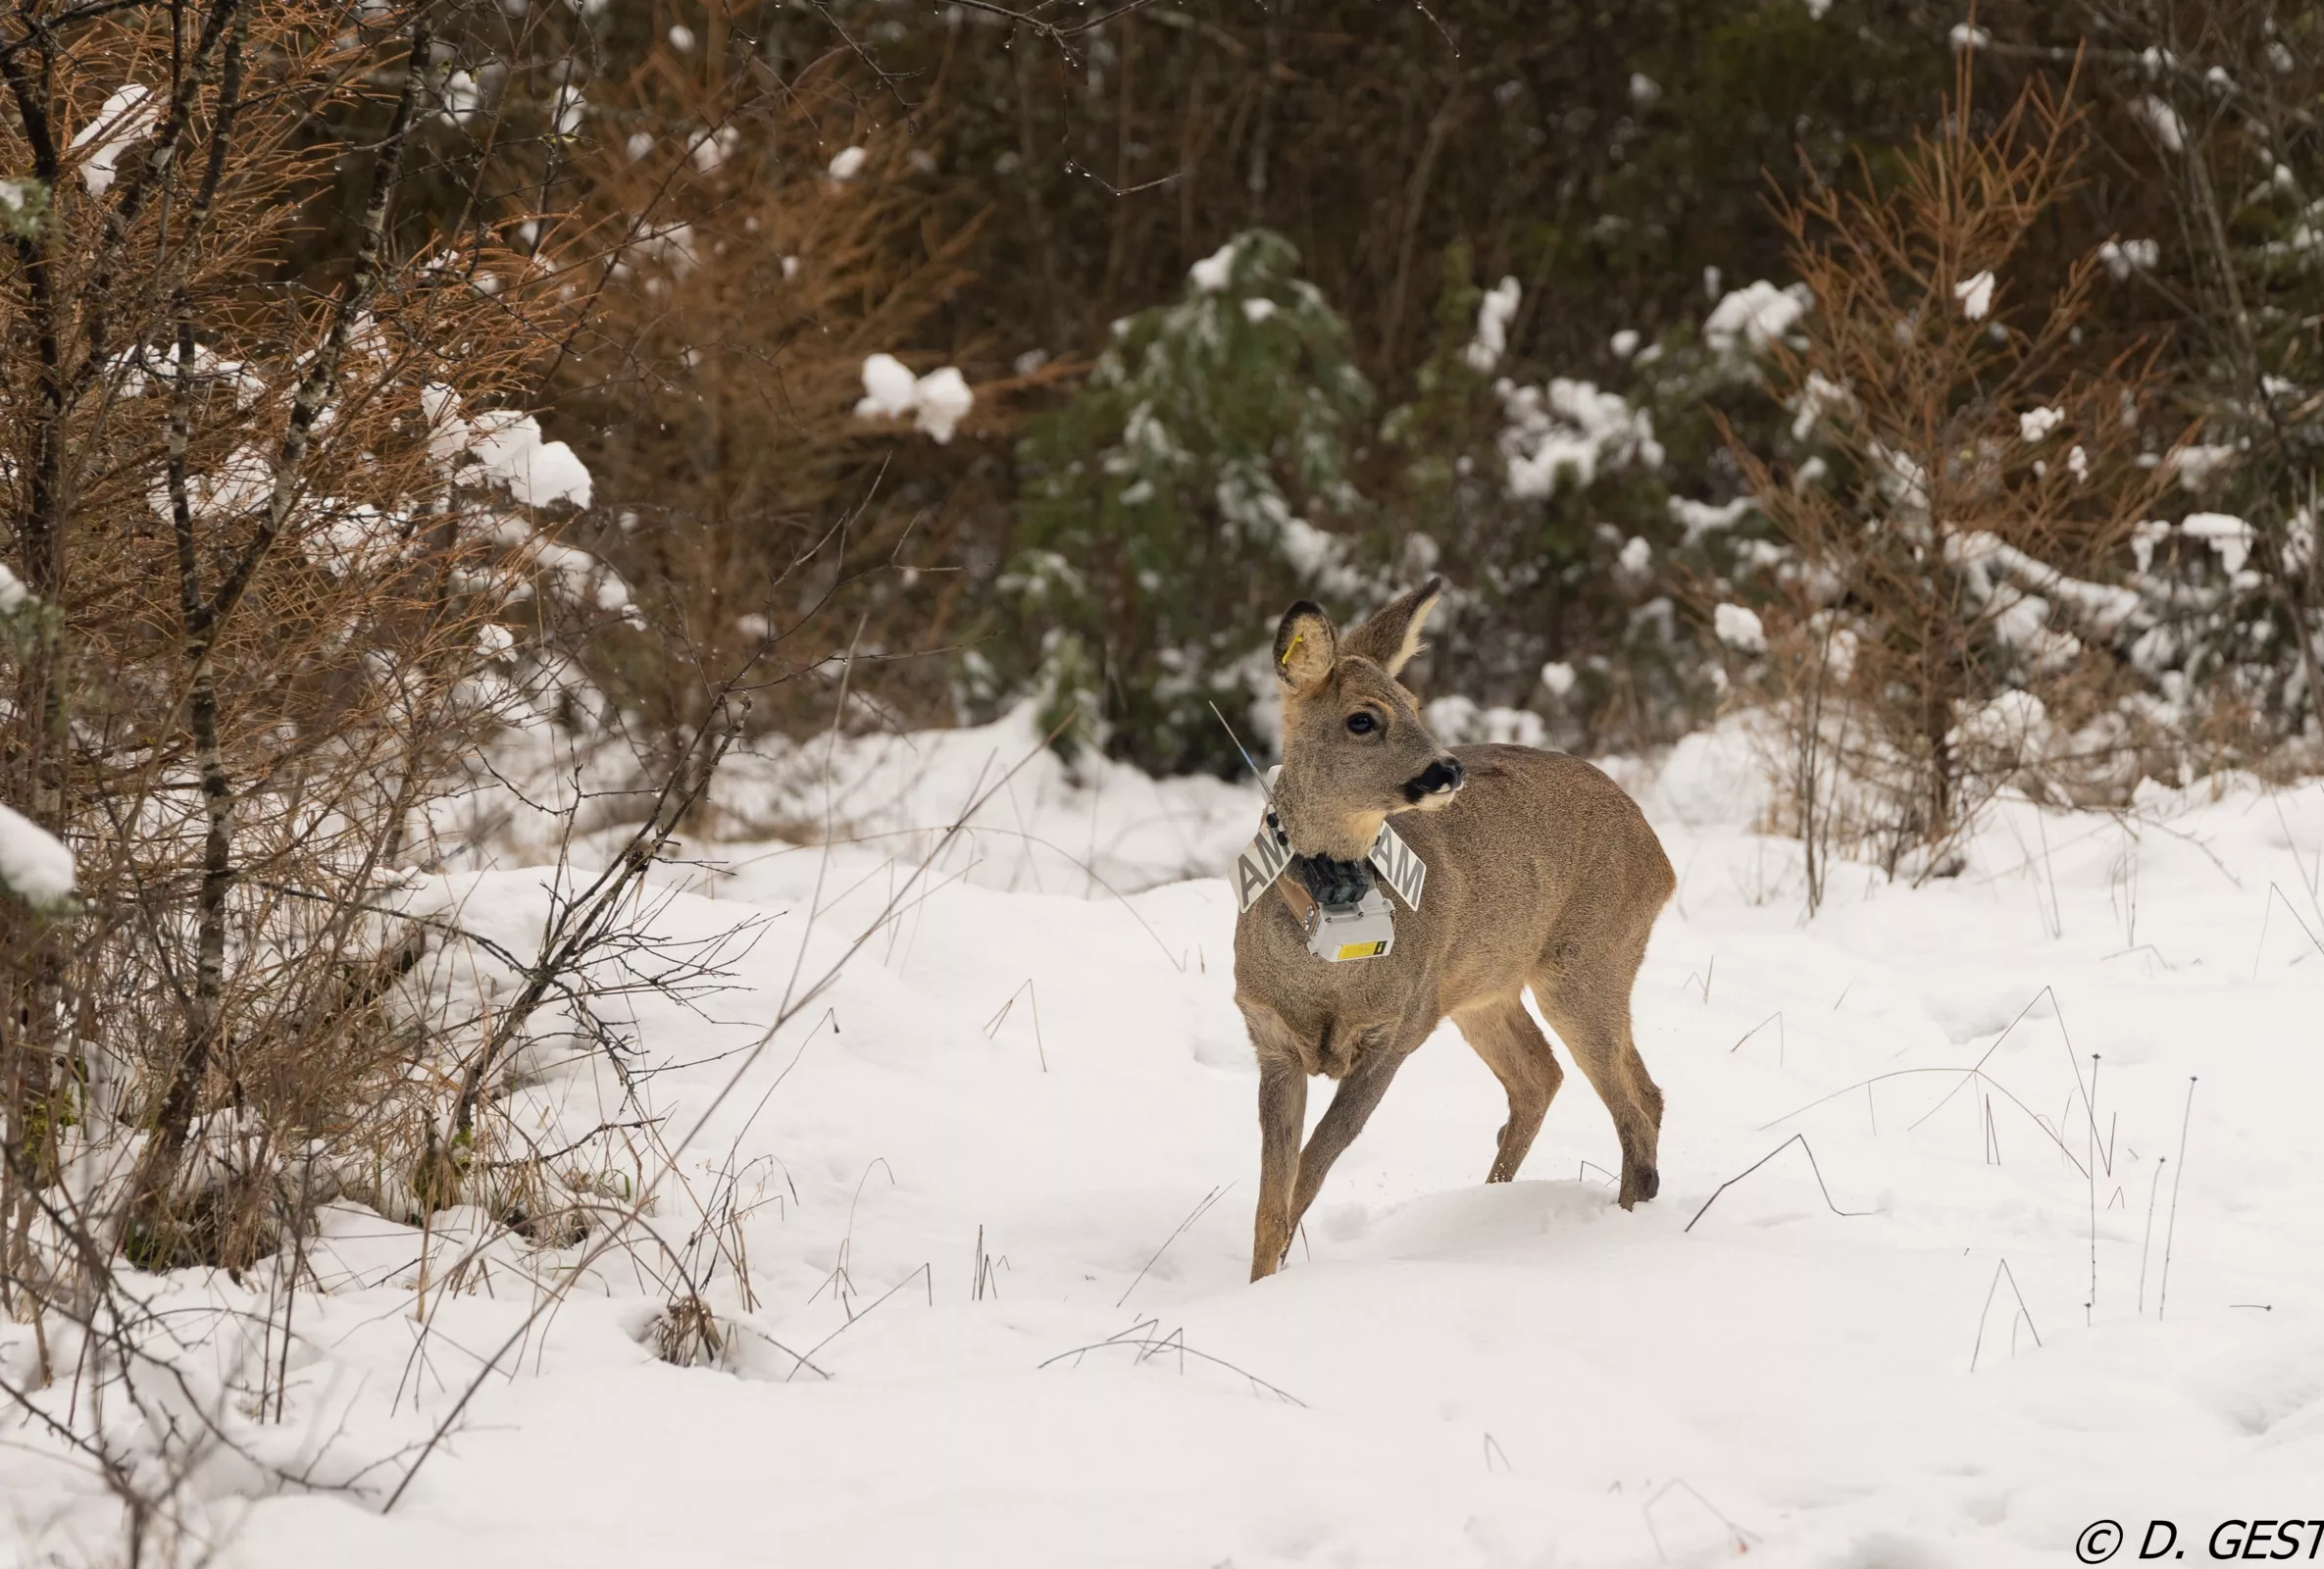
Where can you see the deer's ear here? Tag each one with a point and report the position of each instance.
(1306, 647)
(1391, 637)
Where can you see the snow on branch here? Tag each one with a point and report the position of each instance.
(34, 864)
(1570, 430)
(1493, 316)
(938, 401)
(126, 115)
(505, 448)
(2101, 607)
(1754, 316)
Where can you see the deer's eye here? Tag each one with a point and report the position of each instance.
(1362, 723)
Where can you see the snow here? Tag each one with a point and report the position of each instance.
(35, 864)
(568, 108)
(1698, 518)
(890, 387)
(504, 447)
(1754, 316)
(127, 114)
(2011, 723)
(2230, 538)
(1493, 316)
(1320, 557)
(462, 96)
(847, 163)
(2198, 462)
(2129, 256)
(507, 446)
(2161, 119)
(1460, 721)
(1468, 1376)
(1738, 627)
(944, 401)
(239, 486)
(1213, 271)
(2034, 425)
(1818, 395)
(2146, 535)
(1569, 430)
(672, 247)
(2103, 608)
(14, 596)
(1559, 677)
(938, 401)
(1975, 295)
(713, 148)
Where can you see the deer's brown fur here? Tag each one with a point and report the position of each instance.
(1541, 872)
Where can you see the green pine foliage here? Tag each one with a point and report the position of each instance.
(1597, 565)
(1171, 508)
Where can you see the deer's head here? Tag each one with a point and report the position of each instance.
(1354, 747)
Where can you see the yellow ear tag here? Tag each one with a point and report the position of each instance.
(1298, 638)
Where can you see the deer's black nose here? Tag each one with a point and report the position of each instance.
(1440, 777)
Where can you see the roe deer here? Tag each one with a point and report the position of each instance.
(1540, 872)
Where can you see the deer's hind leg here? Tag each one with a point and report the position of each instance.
(1512, 1046)
(1586, 998)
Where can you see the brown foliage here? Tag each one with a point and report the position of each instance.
(1984, 481)
(737, 287)
(259, 595)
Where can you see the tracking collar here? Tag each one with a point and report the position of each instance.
(1337, 904)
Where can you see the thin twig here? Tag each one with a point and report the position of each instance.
(2146, 1239)
(2170, 1229)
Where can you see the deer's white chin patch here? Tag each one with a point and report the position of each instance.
(1436, 800)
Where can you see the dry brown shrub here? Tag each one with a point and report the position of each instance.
(719, 374)
(1945, 624)
(260, 595)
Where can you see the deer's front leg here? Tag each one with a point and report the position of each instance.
(1282, 1114)
(1352, 1107)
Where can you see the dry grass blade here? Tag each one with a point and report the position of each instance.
(1201, 1208)
(2003, 1271)
(1797, 1139)
(1147, 1345)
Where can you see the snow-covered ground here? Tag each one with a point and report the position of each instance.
(994, 1185)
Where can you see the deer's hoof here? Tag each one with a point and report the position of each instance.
(1638, 1184)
